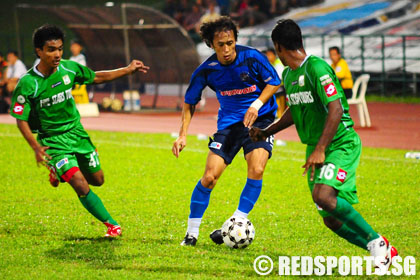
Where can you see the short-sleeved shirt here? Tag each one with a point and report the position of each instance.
(343, 74)
(46, 103)
(16, 70)
(237, 85)
(309, 89)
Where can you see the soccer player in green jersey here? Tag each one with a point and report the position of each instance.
(319, 110)
(42, 102)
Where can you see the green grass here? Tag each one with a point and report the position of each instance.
(45, 233)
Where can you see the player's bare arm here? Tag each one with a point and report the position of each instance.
(252, 114)
(181, 141)
(110, 75)
(258, 134)
(40, 155)
(335, 111)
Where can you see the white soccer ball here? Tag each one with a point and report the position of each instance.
(238, 232)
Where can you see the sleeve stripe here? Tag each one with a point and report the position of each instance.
(36, 88)
(68, 69)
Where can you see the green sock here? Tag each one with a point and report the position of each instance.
(352, 237)
(94, 205)
(349, 216)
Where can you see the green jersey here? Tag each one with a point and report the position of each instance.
(46, 103)
(309, 89)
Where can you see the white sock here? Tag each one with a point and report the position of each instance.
(239, 213)
(194, 226)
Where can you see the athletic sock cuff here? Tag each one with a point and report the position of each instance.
(254, 183)
(202, 188)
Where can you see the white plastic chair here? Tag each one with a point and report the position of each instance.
(358, 98)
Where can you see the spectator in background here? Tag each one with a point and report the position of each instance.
(280, 94)
(342, 71)
(79, 92)
(224, 7)
(15, 70)
(192, 19)
(248, 12)
(4, 106)
(212, 13)
(3, 65)
(76, 52)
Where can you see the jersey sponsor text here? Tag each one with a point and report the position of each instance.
(301, 97)
(239, 91)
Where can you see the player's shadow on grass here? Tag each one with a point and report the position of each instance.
(98, 251)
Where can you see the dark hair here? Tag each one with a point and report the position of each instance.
(45, 33)
(13, 52)
(208, 29)
(76, 41)
(287, 34)
(337, 49)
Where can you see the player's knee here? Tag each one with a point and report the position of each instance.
(256, 171)
(79, 185)
(325, 201)
(98, 181)
(209, 180)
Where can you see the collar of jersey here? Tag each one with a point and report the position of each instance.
(42, 75)
(306, 58)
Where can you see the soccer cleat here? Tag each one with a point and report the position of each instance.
(383, 253)
(189, 240)
(53, 176)
(113, 230)
(216, 236)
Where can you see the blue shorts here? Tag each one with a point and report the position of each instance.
(227, 142)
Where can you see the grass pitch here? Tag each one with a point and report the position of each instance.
(45, 232)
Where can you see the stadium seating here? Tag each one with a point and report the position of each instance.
(358, 98)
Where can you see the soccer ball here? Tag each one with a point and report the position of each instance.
(238, 232)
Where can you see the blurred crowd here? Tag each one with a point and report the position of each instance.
(191, 13)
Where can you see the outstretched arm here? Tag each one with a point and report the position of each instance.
(110, 75)
(181, 141)
(252, 114)
(40, 155)
(258, 134)
(317, 158)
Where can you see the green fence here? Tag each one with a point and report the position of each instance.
(392, 60)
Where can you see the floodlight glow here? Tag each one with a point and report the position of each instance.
(109, 4)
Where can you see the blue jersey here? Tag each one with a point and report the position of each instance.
(237, 85)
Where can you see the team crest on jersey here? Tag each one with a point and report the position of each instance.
(21, 99)
(62, 162)
(330, 89)
(301, 80)
(66, 79)
(215, 145)
(244, 76)
(18, 109)
(341, 175)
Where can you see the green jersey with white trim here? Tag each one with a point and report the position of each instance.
(46, 103)
(309, 89)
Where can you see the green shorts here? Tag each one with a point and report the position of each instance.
(339, 169)
(71, 151)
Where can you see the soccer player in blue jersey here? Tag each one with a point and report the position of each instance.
(244, 82)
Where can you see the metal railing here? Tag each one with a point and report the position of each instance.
(392, 60)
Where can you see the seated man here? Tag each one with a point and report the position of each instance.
(15, 70)
(342, 71)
